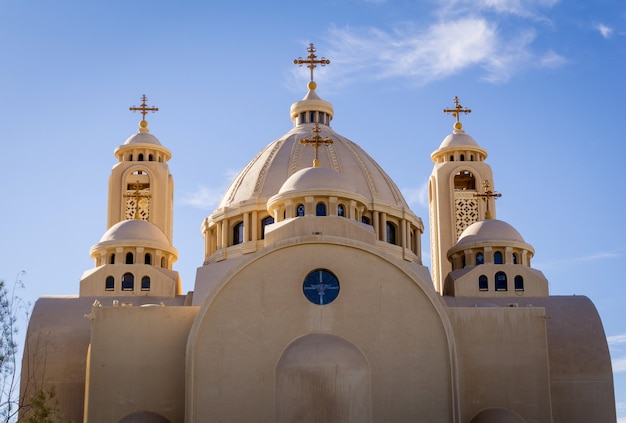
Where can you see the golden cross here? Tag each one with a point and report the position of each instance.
(144, 108)
(316, 140)
(486, 195)
(458, 109)
(137, 195)
(311, 60)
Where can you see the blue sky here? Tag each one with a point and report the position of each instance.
(544, 80)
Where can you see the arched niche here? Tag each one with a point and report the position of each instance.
(497, 415)
(322, 378)
(144, 417)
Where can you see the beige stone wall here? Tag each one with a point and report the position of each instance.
(503, 360)
(383, 312)
(137, 362)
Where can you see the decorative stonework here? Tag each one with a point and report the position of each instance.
(132, 212)
(465, 211)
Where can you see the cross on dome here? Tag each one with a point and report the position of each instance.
(311, 61)
(144, 109)
(458, 109)
(486, 195)
(316, 140)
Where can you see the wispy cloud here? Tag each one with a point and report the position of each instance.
(455, 43)
(523, 8)
(203, 198)
(603, 255)
(616, 339)
(416, 196)
(604, 30)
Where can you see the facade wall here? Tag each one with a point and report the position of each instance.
(137, 362)
(383, 311)
(503, 360)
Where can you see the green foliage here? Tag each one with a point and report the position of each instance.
(11, 305)
(43, 407)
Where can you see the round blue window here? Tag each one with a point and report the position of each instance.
(321, 287)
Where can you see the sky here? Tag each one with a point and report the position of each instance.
(544, 80)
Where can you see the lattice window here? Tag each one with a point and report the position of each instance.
(466, 211)
(144, 204)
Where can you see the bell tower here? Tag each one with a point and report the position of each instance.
(459, 192)
(141, 186)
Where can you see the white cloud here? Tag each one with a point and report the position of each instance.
(203, 198)
(604, 30)
(417, 195)
(441, 50)
(619, 364)
(616, 339)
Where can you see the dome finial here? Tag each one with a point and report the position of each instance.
(458, 109)
(486, 195)
(311, 63)
(316, 140)
(143, 125)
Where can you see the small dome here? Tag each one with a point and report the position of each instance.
(458, 140)
(134, 230)
(142, 138)
(488, 231)
(316, 178)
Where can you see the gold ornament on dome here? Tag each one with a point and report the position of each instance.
(311, 61)
(458, 109)
(144, 109)
(316, 140)
(486, 195)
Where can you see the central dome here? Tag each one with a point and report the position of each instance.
(264, 176)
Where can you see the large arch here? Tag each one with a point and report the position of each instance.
(143, 417)
(254, 313)
(497, 415)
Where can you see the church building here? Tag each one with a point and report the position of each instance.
(313, 304)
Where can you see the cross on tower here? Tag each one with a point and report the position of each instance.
(486, 195)
(458, 109)
(311, 60)
(137, 195)
(144, 108)
(316, 140)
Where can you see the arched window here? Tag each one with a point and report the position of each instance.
(109, 283)
(130, 157)
(497, 258)
(464, 180)
(391, 233)
(128, 282)
(451, 158)
(501, 284)
(129, 258)
(300, 210)
(480, 258)
(238, 233)
(515, 259)
(163, 263)
(112, 259)
(147, 259)
(150, 157)
(519, 283)
(341, 210)
(140, 158)
(365, 219)
(483, 283)
(267, 221)
(320, 209)
(145, 283)
(462, 157)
